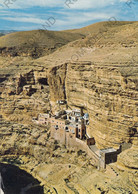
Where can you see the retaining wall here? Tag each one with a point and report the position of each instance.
(71, 141)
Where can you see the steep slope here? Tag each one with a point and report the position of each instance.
(60, 169)
(98, 73)
(34, 43)
(101, 75)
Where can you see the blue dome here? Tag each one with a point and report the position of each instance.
(86, 115)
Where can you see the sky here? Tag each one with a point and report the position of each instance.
(63, 14)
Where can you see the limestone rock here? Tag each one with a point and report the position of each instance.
(129, 158)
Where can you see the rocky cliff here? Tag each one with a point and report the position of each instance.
(104, 85)
(102, 91)
(59, 169)
(99, 75)
(108, 97)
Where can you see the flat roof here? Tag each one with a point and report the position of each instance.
(76, 110)
(108, 150)
(59, 119)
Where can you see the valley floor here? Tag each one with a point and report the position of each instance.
(59, 169)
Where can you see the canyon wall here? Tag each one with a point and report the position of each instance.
(98, 73)
(103, 92)
(24, 95)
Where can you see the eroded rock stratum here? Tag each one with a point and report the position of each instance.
(99, 76)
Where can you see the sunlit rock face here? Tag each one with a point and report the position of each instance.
(103, 82)
(128, 158)
(103, 92)
(98, 74)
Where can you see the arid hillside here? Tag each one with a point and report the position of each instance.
(100, 26)
(104, 66)
(34, 43)
(101, 75)
(96, 69)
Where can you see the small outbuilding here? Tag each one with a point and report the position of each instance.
(108, 156)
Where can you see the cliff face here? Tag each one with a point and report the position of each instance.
(56, 80)
(99, 75)
(101, 79)
(108, 97)
(23, 94)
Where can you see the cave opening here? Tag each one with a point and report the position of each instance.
(2, 79)
(15, 181)
(43, 81)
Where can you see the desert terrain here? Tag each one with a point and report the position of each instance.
(95, 67)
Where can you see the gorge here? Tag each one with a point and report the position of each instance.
(97, 72)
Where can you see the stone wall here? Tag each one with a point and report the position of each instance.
(58, 134)
(70, 141)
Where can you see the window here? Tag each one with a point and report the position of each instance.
(56, 127)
